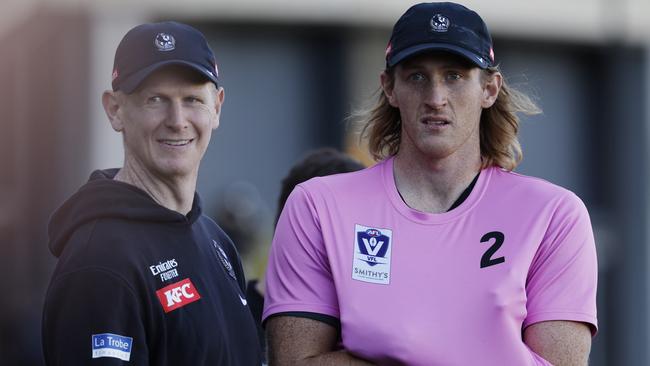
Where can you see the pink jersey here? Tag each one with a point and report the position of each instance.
(414, 288)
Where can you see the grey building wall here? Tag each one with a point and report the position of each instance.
(44, 128)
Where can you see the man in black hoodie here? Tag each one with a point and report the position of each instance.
(144, 278)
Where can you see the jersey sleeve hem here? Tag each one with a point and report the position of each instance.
(330, 320)
(306, 308)
(590, 319)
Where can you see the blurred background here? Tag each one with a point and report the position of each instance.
(293, 71)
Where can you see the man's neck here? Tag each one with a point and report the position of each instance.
(174, 193)
(433, 185)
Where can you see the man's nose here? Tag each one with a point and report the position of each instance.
(436, 94)
(176, 116)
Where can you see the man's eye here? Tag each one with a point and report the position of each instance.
(194, 100)
(454, 76)
(154, 99)
(417, 76)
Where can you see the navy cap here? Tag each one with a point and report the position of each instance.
(147, 47)
(440, 26)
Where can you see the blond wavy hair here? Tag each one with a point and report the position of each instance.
(382, 127)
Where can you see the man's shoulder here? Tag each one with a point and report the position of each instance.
(351, 183)
(528, 190)
(515, 180)
(102, 243)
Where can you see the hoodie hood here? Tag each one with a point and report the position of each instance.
(103, 197)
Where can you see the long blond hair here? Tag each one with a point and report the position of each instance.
(382, 127)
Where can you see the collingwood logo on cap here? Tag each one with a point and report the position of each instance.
(439, 23)
(165, 42)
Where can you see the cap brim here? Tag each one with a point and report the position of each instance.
(427, 47)
(129, 84)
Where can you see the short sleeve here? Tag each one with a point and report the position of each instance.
(91, 316)
(563, 277)
(298, 277)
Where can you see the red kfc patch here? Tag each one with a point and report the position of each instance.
(177, 295)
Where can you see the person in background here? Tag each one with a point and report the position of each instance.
(316, 163)
(440, 254)
(143, 276)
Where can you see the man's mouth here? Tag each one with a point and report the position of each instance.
(176, 142)
(432, 121)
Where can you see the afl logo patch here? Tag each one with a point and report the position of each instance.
(439, 23)
(372, 253)
(165, 42)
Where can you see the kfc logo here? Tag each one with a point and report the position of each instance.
(177, 295)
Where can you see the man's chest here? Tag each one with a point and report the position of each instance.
(425, 288)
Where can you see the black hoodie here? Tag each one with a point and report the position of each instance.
(138, 281)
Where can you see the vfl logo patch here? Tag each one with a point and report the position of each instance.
(111, 345)
(372, 251)
(177, 295)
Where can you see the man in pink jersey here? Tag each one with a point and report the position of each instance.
(439, 254)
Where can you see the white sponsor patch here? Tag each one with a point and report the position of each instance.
(111, 345)
(372, 252)
(166, 270)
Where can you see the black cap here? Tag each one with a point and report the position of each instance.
(440, 26)
(147, 47)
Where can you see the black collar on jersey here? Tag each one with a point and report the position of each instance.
(465, 194)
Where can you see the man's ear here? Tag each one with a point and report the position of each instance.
(491, 89)
(387, 84)
(219, 98)
(112, 105)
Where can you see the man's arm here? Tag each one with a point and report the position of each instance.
(562, 343)
(302, 341)
(561, 284)
(92, 316)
